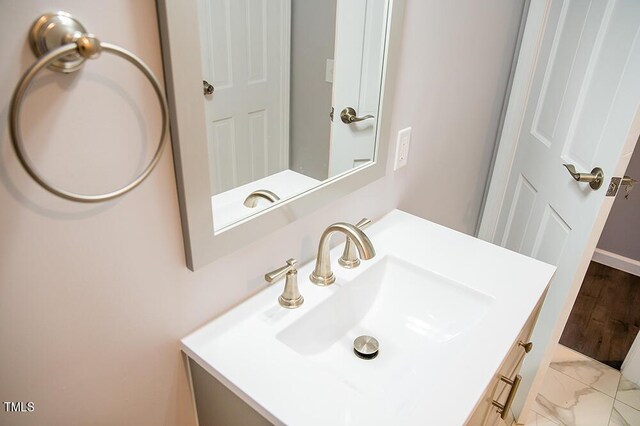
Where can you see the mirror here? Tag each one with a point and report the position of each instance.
(278, 106)
(269, 86)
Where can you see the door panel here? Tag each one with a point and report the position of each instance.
(578, 24)
(605, 78)
(359, 53)
(245, 49)
(551, 237)
(221, 136)
(584, 94)
(519, 215)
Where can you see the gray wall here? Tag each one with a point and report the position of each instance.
(94, 299)
(312, 43)
(621, 234)
(457, 60)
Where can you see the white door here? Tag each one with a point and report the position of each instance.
(245, 49)
(582, 108)
(358, 60)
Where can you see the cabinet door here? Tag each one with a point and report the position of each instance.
(509, 370)
(486, 414)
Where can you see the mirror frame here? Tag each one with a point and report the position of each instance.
(183, 85)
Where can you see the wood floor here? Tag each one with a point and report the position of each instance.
(606, 316)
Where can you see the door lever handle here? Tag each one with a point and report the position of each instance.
(349, 115)
(594, 179)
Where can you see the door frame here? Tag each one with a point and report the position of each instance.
(507, 146)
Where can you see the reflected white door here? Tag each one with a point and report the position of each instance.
(582, 109)
(246, 57)
(359, 53)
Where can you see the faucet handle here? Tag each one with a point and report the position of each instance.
(349, 258)
(276, 274)
(290, 297)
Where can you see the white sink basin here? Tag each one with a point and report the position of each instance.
(406, 308)
(399, 303)
(437, 301)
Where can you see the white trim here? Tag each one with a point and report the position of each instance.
(285, 80)
(527, 60)
(617, 261)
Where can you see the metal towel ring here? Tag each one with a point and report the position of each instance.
(63, 45)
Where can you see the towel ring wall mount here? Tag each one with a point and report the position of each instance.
(62, 44)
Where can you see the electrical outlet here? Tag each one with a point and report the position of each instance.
(402, 148)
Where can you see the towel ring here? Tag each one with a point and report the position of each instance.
(62, 44)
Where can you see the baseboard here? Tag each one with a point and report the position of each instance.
(616, 261)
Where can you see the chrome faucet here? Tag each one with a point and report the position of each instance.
(322, 274)
(252, 199)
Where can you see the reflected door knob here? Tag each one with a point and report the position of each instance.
(349, 115)
(207, 87)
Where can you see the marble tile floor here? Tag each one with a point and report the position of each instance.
(580, 391)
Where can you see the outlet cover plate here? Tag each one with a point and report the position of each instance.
(402, 148)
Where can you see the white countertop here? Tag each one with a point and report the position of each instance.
(244, 348)
(228, 207)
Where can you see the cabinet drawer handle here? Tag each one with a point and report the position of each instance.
(504, 409)
(526, 346)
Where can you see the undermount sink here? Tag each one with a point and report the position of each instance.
(436, 301)
(404, 306)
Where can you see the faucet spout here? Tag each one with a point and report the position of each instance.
(322, 274)
(252, 199)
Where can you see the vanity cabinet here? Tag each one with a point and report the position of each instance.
(506, 379)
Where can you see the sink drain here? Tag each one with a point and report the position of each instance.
(366, 347)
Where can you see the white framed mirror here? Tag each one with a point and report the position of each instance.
(277, 108)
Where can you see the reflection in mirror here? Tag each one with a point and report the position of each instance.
(291, 96)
